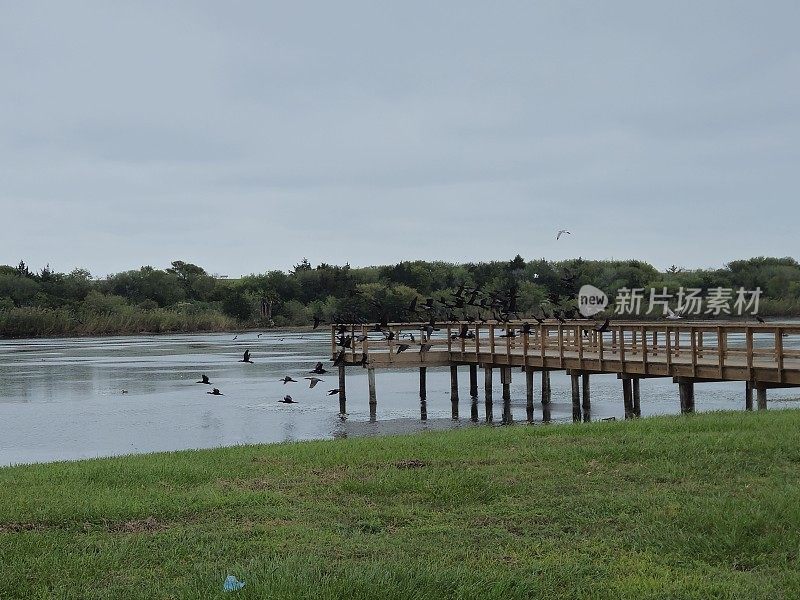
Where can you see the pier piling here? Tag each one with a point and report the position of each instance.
(576, 396)
(454, 392)
(761, 397)
(529, 394)
(342, 392)
(423, 393)
(586, 401)
(373, 399)
(505, 377)
(487, 390)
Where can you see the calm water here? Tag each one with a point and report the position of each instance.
(62, 399)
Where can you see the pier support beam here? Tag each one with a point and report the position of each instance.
(473, 392)
(473, 381)
(576, 396)
(487, 390)
(505, 377)
(637, 405)
(761, 397)
(529, 394)
(454, 392)
(586, 401)
(686, 391)
(423, 393)
(748, 395)
(342, 392)
(373, 400)
(545, 388)
(627, 398)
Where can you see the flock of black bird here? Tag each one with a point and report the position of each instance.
(318, 369)
(474, 304)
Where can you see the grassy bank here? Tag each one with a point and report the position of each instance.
(698, 507)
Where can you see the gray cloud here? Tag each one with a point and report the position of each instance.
(247, 136)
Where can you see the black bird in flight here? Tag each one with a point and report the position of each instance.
(402, 348)
(288, 379)
(333, 392)
(215, 392)
(287, 399)
(318, 369)
(313, 381)
(204, 379)
(246, 357)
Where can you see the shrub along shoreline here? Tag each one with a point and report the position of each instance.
(701, 506)
(185, 298)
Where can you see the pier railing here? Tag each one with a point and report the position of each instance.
(702, 350)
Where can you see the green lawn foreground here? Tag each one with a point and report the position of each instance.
(704, 506)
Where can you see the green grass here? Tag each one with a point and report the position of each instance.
(706, 506)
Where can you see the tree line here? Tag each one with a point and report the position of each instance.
(184, 297)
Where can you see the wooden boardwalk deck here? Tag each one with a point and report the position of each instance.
(762, 355)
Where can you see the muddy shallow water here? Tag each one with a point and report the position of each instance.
(62, 399)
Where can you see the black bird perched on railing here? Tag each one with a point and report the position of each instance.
(318, 369)
(526, 328)
(204, 379)
(424, 348)
(246, 357)
(464, 331)
(559, 318)
(339, 360)
(317, 321)
(604, 327)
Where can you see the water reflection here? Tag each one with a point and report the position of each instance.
(62, 399)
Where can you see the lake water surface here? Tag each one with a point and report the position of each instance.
(61, 399)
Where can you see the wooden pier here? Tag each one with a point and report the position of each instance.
(760, 356)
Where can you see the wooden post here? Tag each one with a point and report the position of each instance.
(342, 392)
(637, 408)
(454, 391)
(761, 397)
(529, 394)
(423, 393)
(505, 377)
(586, 403)
(627, 398)
(576, 396)
(373, 400)
(545, 388)
(487, 389)
(686, 391)
(473, 381)
(748, 395)
(473, 392)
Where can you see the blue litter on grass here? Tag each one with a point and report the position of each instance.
(232, 584)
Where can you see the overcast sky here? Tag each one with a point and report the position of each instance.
(243, 136)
